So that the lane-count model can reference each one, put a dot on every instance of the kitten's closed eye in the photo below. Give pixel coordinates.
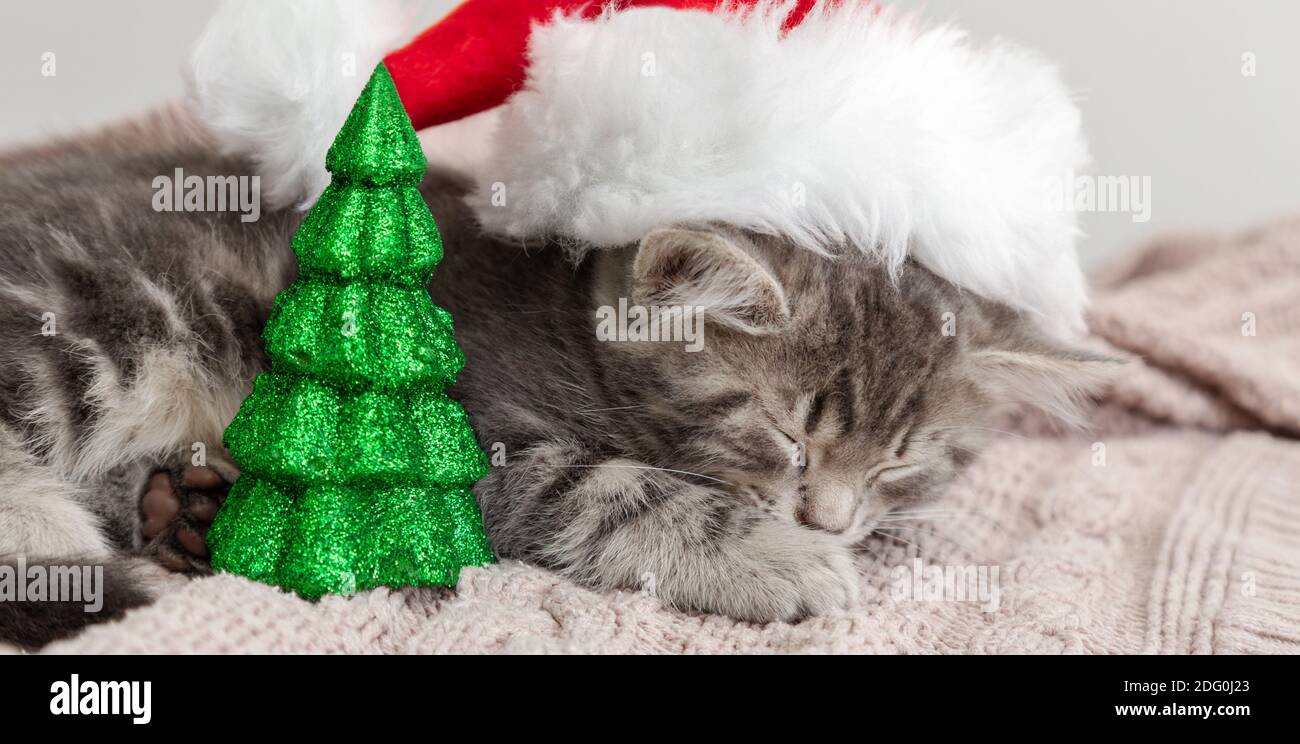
(904, 443)
(797, 449)
(905, 455)
(895, 473)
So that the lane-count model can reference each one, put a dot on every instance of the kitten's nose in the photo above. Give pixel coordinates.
(801, 516)
(827, 508)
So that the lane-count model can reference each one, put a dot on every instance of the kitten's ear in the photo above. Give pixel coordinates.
(707, 268)
(1057, 380)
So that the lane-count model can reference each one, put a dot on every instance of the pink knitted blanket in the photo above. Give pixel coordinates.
(1173, 526)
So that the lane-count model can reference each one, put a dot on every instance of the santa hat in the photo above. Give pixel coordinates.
(831, 123)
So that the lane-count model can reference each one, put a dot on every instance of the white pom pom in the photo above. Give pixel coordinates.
(275, 79)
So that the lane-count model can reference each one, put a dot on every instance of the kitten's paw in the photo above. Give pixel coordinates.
(176, 508)
(789, 573)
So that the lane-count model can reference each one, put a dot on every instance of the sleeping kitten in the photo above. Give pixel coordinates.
(736, 478)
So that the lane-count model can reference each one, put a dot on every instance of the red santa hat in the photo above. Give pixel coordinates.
(829, 122)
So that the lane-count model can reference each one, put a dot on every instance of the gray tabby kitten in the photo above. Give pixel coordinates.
(737, 479)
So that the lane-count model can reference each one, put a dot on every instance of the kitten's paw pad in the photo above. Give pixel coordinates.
(177, 506)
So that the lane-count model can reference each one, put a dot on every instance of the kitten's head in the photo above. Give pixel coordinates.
(823, 388)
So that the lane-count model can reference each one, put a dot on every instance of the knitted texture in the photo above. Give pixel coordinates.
(1183, 538)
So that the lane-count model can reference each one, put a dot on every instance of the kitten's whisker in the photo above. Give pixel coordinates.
(951, 515)
(969, 450)
(572, 386)
(614, 408)
(918, 514)
(861, 545)
(914, 517)
(651, 467)
(964, 547)
(902, 539)
(951, 512)
(979, 428)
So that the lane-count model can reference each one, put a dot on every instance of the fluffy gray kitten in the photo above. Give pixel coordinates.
(736, 479)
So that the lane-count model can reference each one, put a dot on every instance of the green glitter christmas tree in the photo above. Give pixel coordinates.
(356, 465)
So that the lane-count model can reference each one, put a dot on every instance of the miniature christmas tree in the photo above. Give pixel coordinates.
(356, 466)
